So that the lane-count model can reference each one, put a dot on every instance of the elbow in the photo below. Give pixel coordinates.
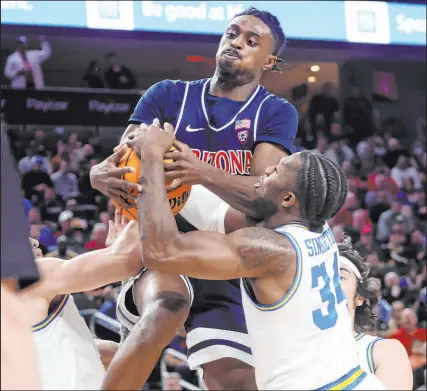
(160, 255)
(153, 258)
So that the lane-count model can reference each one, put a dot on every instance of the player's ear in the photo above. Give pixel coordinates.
(269, 62)
(288, 199)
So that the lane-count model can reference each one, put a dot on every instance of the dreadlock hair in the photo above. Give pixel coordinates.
(276, 30)
(368, 288)
(321, 188)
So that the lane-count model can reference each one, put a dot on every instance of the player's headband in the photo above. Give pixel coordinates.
(350, 265)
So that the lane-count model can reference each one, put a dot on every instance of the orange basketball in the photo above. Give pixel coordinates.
(177, 197)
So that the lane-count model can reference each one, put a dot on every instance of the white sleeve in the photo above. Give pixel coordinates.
(205, 210)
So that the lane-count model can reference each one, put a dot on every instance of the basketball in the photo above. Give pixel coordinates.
(177, 197)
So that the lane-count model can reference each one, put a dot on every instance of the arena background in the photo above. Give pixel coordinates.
(356, 73)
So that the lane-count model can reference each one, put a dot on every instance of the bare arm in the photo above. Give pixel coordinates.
(393, 365)
(237, 191)
(250, 252)
(45, 51)
(91, 270)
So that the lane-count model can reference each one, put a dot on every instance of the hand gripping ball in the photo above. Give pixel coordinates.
(177, 197)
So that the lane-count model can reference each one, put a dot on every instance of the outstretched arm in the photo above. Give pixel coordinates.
(249, 252)
(91, 270)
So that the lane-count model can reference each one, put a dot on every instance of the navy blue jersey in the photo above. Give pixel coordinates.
(220, 131)
(224, 133)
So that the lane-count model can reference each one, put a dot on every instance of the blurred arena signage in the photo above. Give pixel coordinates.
(339, 21)
(52, 107)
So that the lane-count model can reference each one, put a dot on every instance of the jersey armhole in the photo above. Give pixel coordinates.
(370, 355)
(292, 290)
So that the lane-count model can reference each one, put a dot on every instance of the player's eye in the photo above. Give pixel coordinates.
(230, 35)
(252, 43)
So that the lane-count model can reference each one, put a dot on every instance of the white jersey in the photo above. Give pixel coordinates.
(67, 354)
(365, 346)
(305, 341)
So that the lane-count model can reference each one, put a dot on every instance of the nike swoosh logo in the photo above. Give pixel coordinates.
(190, 129)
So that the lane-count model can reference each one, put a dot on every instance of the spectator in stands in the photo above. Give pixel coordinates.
(409, 334)
(345, 215)
(93, 76)
(34, 216)
(98, 238)
(36, 180)
(392, 290)
(337, 151)
(357, 116)
(403, 171)
(24, 165)
(64, 221)
(394, 150)
(51, 205)
(387, 219)
(324, 103)
(23, 67)
(118, 76)
(73, 141)
(61, 154)
(377, 205)
(39, 144)
(44, 235)
(65, 182)
(306, 133)
(366, 245)
(62, 250)
(361, 220)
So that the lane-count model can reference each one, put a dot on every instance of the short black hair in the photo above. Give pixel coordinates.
(366, 315)
(274, 25)
(321, 188)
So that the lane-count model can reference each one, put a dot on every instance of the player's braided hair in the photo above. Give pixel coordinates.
(367, 287)
(321, 187)
(276, 29)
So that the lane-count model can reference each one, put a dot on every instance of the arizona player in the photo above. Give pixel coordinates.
(295, 309)
(236, 128)
(386, 358)
(67, 353)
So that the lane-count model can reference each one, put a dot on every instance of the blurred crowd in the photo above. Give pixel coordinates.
(384, 212)
(24, 70)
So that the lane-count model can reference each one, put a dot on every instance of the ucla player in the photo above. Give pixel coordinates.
(235, 128)
(67, 353)
(295, 309)
(386, 358)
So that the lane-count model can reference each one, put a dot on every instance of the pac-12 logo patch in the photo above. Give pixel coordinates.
(243, 136)
(243, 126)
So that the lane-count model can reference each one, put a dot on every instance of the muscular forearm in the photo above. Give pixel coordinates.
(237, 191)
(157, 223)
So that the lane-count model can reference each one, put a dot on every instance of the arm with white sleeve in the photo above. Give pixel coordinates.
(208, 212)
